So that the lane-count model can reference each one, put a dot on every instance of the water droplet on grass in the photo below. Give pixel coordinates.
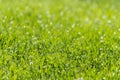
(119, 29)
(82, 37)
(27, 33)
(39, 21)
(104, 17)
(101, 41)
(61, 13)
(48, 32)
(31, 62)
(11, 22)
(80, 78)
(67, 31)
(79, 33)
(109, 21)
(87, 19)
(102, 37)
(115, 33)
(51, 23)
(101, 49)
(73, 25)
(119, 37)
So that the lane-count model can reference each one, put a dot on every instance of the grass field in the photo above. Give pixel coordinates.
(59, 39)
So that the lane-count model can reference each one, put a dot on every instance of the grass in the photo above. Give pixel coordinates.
(59, 40)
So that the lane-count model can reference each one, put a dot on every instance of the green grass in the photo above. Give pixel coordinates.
(59, 39)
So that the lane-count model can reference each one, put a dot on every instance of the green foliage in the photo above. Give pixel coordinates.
(59, 40)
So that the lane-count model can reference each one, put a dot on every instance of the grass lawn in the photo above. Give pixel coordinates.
(59, 39)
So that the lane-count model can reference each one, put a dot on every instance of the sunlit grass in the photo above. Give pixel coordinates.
(59, 40)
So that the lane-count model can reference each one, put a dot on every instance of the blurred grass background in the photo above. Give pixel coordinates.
(64, 40)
